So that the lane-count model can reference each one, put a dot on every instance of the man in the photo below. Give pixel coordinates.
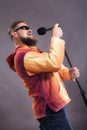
(42, 73)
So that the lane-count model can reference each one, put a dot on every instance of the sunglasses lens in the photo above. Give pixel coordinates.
(25, 28)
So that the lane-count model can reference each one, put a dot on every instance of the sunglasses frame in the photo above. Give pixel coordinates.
(21, 27)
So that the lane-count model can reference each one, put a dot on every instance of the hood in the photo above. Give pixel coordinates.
(10, 61)
(10, 58)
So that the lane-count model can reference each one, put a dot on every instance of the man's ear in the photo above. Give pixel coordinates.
(14, 34)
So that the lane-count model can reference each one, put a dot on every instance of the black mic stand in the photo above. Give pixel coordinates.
(80, 88)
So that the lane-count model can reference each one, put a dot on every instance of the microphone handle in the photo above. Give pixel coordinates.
(48, 29)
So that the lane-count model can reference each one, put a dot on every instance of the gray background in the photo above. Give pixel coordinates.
(15, 106)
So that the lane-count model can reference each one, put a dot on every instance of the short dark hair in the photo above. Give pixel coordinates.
(13, 26)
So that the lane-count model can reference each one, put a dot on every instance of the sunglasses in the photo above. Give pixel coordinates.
(23, 28)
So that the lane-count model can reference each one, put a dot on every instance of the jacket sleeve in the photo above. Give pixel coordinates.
(64, 73)
(35, 62)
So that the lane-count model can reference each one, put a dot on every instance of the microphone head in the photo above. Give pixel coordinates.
(41, 31)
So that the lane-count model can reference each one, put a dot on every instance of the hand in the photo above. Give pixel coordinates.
(74, 73)
(57, 31)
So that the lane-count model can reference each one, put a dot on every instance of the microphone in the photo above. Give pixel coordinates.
(43, 30)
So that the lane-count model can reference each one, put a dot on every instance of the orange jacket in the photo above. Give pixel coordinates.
(42, 73)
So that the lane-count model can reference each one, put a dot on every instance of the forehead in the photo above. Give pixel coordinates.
(21, 24)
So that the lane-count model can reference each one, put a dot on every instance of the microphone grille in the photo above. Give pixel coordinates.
(41, 31)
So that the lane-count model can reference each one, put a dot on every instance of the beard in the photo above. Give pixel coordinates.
(29, 41)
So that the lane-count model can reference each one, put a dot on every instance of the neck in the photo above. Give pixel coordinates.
(18, 43)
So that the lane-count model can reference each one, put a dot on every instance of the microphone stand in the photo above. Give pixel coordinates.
(80, 88)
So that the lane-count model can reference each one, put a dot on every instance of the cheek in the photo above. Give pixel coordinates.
(23, 34)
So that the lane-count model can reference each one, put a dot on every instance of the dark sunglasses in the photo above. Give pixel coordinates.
(23, 28)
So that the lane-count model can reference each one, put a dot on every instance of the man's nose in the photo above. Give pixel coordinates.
(30, 30)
